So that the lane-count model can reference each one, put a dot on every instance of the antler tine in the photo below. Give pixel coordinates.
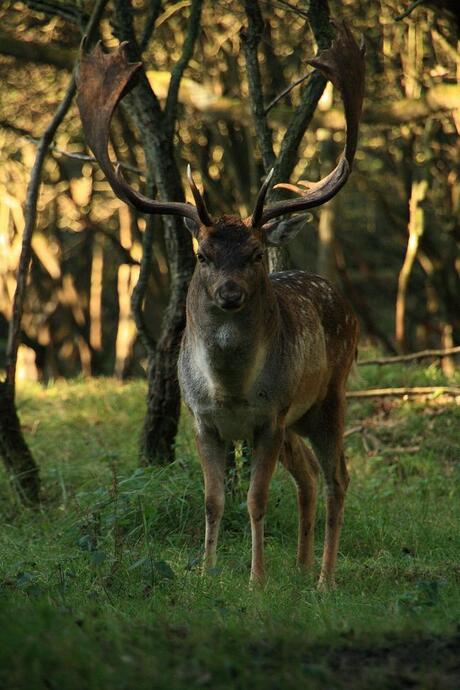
(343, 65)
(103, 79)
(259, 207)
(199, 201)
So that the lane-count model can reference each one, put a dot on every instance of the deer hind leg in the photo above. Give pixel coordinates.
(327, 440)
(303, 466)
(213, 454)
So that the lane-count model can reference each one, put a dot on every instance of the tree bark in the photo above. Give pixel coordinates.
(283, 165)
(163, 398)
(16, 454)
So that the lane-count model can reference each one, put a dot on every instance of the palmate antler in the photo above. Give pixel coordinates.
(103, 80)
(343, 65)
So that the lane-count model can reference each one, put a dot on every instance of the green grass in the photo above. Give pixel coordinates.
(101, 587)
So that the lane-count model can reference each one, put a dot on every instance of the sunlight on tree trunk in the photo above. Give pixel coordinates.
(415, 229)
(326, 262)
(95, 300)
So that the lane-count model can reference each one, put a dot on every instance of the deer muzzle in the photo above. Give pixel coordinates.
(230, 296)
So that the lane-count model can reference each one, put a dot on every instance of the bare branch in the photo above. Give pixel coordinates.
(180, 66)
(140, 289)
(409, 10)
(292, 8)
(417, 391)
(318, 16)
(23, 134)
(285, 92)
(414, 356)
(69, 12)
(31, 213)
(152, 16)
(33, 51)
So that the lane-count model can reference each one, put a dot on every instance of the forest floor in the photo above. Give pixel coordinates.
(101, 587)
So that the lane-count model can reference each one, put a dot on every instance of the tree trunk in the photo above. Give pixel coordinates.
(416, 227)
(157, 127)
(18, 459)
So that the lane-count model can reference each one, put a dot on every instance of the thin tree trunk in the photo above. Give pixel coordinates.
(326, 258)
(416, 227)
(13, 448)
(318, 14)
(157, 127)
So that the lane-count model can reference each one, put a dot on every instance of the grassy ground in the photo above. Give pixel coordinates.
(101, 588)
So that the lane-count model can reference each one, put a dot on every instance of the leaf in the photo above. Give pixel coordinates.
(164, 570)
(97, 558)
(24, 579)
(85, 542)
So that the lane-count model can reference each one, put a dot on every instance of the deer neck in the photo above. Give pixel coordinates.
(232, 347)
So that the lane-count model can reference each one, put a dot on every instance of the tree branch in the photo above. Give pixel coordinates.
(72, 13)
(140, 289)
(180, 66)
(401, 392)
(152, 16)
(251, 39)
(285, 92)
(24, 134)
(292, 8)
(413, 356)
(409, 10)
(32, 51)
(318, 16)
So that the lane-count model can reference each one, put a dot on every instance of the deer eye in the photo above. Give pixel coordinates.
(257, 256)
(202, 258)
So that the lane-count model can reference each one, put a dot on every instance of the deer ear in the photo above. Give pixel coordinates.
(191, 226)
(281, 232)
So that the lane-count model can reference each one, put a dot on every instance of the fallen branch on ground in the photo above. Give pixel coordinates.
(400, 392)
(423, 354)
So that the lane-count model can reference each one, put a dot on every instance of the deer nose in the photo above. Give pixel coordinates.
(230, 295)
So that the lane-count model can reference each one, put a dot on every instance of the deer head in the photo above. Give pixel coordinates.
(229, 241)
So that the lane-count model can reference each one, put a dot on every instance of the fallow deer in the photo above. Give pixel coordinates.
(264, 358)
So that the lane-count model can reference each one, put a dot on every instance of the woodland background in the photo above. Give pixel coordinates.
(100, 558)
(390, 239)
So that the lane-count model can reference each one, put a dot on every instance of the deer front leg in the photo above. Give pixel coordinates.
(213, 460)
(266, 451)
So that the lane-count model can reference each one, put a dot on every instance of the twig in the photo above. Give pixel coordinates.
(400, 392)
(293, 8)
(353, 430)
(31, 213)
(24, 134)
(423, 354)
(285, 92)
(400, 449)
(409, 10)
(149, 26)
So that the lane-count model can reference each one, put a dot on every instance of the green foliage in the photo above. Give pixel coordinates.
(102, 586)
